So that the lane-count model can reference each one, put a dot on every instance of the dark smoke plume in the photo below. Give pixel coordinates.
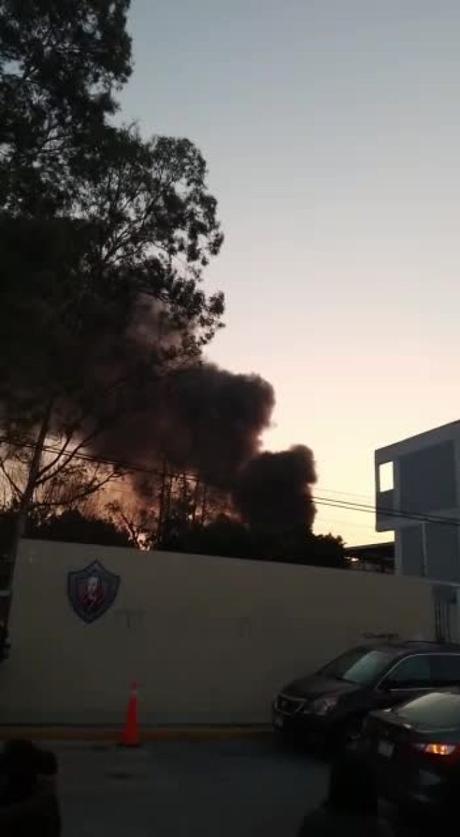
(215, 421)
(273, 491)
(208, 421)
(202, 419)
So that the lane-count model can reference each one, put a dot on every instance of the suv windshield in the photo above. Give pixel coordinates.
(360, 665)
(438, 710)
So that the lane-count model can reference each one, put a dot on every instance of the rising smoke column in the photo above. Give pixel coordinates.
(203, 419)
(208, 421)
(216, 418)
(199, 418)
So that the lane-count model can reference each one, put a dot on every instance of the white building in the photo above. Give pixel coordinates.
(417, 496)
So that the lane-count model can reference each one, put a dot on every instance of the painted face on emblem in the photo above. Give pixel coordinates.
(93, 585)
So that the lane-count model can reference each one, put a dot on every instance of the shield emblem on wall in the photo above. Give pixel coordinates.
(92, 591)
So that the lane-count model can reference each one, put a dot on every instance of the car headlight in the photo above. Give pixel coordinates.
(324, 705)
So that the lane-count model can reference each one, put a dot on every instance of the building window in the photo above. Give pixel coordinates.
(386, 476)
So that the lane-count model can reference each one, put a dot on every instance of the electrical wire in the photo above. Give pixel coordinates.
(346, 505)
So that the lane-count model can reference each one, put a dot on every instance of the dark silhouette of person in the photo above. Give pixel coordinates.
(28, 799)
(351, 807)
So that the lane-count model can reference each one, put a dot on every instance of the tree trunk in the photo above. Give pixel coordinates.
(162, 500)
(28, 493)
(204, 509)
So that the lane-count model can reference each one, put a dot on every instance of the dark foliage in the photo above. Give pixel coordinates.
(74, 527)
(227, 537)
(60, 62)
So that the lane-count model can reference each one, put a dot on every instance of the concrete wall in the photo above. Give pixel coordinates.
(209, 639)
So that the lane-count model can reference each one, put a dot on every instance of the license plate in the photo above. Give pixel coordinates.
(278, 722)
(385, 748)
(427, 779)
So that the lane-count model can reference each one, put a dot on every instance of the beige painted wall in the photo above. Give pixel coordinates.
(209, 639)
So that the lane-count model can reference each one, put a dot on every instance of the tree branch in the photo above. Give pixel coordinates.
(12, 483)
(48, 467)
(87, 491)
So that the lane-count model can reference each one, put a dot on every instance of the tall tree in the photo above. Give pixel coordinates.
(103, 239)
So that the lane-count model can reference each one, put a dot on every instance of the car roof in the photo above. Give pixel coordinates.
(403, 648)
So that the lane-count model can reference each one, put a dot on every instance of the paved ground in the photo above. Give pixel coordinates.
(180, 789)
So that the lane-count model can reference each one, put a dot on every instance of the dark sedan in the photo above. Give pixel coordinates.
(334, 701)
(415, 752)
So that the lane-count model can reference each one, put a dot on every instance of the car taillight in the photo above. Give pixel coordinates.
(435, 749)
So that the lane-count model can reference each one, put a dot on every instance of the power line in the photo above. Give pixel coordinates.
(87, 457)
(386, 512)
(346, 505)
(344, 493)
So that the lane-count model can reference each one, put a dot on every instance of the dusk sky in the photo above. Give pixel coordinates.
(331, 129)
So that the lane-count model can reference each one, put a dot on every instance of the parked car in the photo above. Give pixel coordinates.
(334, 701)
(414, 749)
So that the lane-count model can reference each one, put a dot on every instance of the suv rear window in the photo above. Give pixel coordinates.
(445, 669)
(437, 710)
(413, 672)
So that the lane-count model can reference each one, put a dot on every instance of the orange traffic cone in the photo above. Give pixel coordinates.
(130, 737)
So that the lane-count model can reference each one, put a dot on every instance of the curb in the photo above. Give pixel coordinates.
(114, 734)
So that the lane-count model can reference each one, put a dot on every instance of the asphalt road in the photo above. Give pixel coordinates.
(180, 789)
